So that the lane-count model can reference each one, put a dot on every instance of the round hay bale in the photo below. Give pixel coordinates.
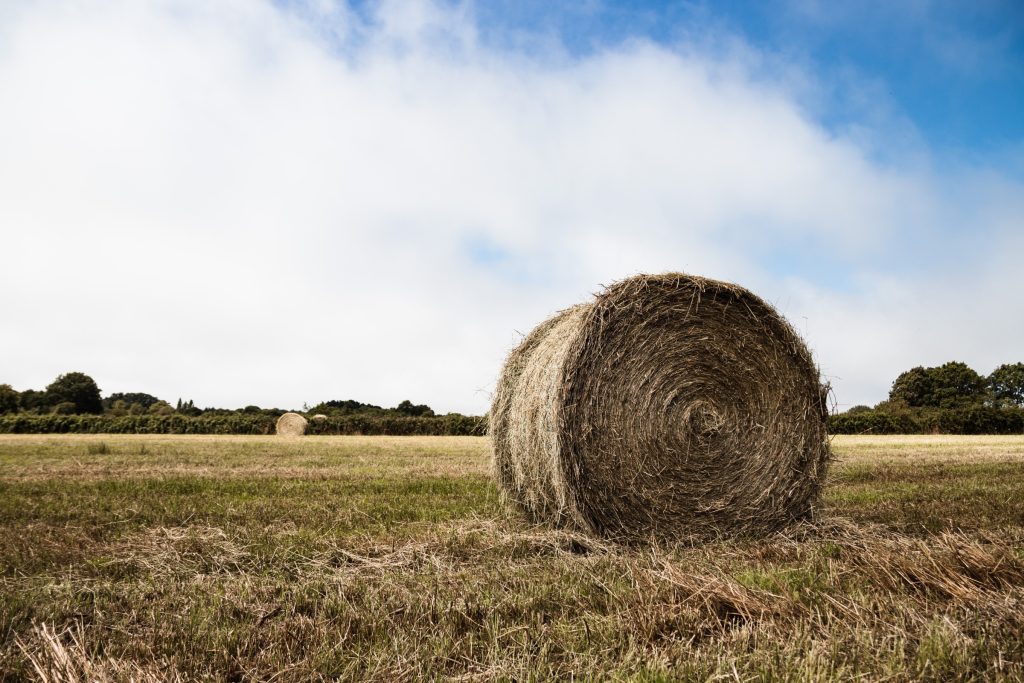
(318, 418)
(291, 424)
(671, 406)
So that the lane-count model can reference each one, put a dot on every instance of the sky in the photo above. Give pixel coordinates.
(284, 202)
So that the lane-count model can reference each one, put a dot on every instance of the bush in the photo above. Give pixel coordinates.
(65, 408)
(160, 408)
(238, 423)
(871, 422)
(970, 420)
(452, 424)
(131, 424)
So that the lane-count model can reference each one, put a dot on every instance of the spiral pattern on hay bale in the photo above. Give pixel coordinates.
(291, 424)
(671, 406)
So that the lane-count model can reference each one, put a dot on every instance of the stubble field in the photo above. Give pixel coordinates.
(377, 558)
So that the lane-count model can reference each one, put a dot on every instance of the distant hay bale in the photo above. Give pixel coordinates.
(671, 406)
(318, 418)
(291, 424)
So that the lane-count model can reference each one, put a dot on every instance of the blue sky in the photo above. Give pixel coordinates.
(317, 200)
(954, 69)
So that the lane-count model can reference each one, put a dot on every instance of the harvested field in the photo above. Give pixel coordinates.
(257, 558)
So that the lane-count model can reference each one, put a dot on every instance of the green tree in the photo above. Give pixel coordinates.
(10, 399)
(913, 388)
(1007, 384)
(956, 385)
(408, 408)
(35, 401)
(188, 408)
(77, 388)
(143, 399)
(346, 407)
(951, 385)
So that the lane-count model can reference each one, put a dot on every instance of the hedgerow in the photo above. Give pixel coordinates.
(975, 420)
(444, 425)
(971, 420)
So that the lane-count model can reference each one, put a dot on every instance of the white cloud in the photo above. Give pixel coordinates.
(239, 203)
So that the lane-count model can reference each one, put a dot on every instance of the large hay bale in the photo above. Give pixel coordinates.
(291, 424)
(671, 406)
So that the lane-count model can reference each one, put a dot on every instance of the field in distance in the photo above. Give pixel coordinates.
(391, 558)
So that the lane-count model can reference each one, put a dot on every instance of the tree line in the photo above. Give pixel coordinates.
(951, 398)
(73, 403)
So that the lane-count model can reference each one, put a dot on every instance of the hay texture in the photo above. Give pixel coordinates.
(291, 424)
(671, 406)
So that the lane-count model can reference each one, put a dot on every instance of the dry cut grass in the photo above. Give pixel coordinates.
(390, 559)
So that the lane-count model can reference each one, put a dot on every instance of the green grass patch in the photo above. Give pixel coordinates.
(376, 558)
